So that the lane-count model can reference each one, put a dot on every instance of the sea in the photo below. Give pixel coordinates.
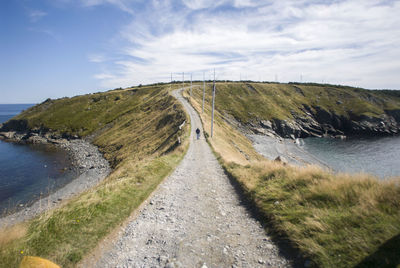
(29, 172)
(379, 156)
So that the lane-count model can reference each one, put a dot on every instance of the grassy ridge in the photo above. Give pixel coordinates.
(123, 122)
(136, 129)
(336, 220)
(247, 101)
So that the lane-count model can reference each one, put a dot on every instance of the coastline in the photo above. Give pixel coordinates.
(87, 160)
(273, 147)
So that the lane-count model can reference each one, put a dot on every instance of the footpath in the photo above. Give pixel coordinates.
(194, 219)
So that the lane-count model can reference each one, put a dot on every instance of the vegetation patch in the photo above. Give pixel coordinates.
(247, 101)
(335, 220)
(125, 124)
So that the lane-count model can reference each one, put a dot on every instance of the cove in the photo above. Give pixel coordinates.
(29, 172)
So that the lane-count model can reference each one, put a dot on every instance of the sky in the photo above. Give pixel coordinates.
(57, 48)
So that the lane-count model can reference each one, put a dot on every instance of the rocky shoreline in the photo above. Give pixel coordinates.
(317, 122)
(286, 150)
(86, 159)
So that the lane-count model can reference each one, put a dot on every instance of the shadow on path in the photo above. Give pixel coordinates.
(286, 249)
(387, 255)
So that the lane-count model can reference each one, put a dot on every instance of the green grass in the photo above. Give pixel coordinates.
(65, 235)
(250, 101)
(137, 133)
(335, 220)
(122, 122)
(82, 115)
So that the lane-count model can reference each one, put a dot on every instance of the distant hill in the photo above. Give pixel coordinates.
(302, 110)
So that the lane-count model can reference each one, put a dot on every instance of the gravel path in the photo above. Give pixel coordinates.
(194, 219)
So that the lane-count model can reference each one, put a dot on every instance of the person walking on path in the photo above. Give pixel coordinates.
(198, 133)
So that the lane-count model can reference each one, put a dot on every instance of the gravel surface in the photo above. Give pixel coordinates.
(91, 167)
(194, 219)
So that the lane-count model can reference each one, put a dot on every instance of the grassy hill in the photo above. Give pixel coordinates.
(313, 108)
(138, 121)
(333, 220)
(137, 131)
(247, 101)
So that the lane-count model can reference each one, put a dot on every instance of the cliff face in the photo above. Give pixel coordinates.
(303, 110)
(319, 122)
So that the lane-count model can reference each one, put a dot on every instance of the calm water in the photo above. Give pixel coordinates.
(29, 171)
(378, 156)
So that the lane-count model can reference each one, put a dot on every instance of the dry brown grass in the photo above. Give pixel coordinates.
(336, 220)
(11, 233)
(227, 141)
(140, 143)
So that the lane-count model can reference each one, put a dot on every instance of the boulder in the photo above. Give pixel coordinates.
(266, 124)
(8, 135)
(281, 159)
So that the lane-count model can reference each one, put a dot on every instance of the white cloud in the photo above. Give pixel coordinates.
(124, 5)
(200, 4)
(97, 58)
(351, 42)
(36, 15)
(102, 76)
(245, 3)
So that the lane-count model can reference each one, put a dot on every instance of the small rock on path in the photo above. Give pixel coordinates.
(194, 219)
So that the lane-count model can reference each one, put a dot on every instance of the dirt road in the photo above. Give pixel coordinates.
(194, 219)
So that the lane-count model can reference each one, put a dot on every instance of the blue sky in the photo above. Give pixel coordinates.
(57, 48)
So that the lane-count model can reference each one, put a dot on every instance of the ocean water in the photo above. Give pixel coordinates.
(7, 111)
(28, 172)
(378, 156)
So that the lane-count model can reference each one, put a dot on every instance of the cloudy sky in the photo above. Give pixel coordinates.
(56, 48)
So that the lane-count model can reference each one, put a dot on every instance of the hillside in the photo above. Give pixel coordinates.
(302, 110)
(137, 120)
(333, 220)
(137, 131)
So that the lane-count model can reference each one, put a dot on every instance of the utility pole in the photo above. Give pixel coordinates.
(183, 80)
(190, 86)
(213, 104)
(170, 85)
(204, 90)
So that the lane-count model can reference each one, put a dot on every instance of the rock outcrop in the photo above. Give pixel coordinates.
(19, 131)
(317, 122)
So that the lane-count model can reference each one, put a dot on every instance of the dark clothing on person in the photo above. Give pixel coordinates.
(198, 133)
